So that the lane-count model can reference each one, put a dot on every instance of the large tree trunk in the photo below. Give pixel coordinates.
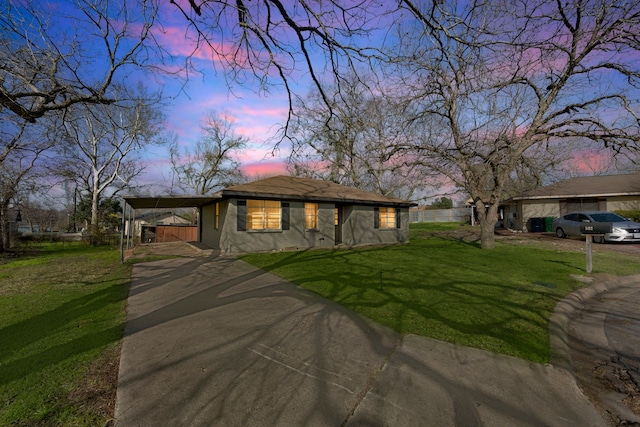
(4, 227)
(487, 217)
(93, 227)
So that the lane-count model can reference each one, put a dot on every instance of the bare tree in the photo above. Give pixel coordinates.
(53, 58)
(499, 79)
(272, 41)
(362, 139)
(102, 145)
(22, 145)
(209, 165)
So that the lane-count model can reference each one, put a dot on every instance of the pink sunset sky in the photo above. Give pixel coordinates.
(257, 117)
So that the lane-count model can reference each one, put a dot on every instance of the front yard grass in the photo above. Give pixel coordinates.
(442, 285)
(62, 314)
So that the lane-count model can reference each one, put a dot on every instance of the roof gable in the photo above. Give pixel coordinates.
(587, 186)
(156, 215)
(295, 188)
(168, 202)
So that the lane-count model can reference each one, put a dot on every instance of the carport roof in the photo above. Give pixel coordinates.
(169, 202)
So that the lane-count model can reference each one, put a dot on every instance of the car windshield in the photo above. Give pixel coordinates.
(607, 217)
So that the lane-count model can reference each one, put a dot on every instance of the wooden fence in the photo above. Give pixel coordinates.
(169, 233)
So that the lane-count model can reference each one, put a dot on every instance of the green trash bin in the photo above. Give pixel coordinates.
(548, 220)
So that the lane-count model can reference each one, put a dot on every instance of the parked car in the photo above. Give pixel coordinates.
(624, 230)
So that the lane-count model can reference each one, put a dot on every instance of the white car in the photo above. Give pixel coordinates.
(624, 230)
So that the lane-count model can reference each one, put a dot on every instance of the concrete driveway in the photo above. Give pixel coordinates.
(215, 341)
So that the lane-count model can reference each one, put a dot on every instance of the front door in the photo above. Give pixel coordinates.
(337, 221)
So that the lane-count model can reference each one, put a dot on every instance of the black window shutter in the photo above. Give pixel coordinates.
(242, 215)
(285, 215)
(398, 217)
(376, 217)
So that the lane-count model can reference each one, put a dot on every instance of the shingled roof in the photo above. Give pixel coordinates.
(587, 186)
(294, 188)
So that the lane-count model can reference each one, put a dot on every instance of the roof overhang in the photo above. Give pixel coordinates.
(575, 196)
(169, 202)
(174, 202)
(312, 198)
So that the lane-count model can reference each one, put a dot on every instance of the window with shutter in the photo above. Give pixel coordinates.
(263, 215)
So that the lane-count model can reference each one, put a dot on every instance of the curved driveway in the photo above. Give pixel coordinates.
(215, 341)
(605, 350)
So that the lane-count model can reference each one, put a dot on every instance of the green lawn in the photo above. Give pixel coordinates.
(62, 307)
(442, 285)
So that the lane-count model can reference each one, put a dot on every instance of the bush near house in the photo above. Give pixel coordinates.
(631, 214)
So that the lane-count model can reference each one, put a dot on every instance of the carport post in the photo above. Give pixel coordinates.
(124, 212)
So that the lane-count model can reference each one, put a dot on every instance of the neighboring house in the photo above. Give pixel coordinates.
(285, 212)
(145, 225)
(590, 193)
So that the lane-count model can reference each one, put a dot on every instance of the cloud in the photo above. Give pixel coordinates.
(256, 118)
(265, 168)
(589, 162)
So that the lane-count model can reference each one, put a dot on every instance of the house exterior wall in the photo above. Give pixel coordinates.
(623, 203)
(537, 209)
(527, 209)
(233, 241)
(357, 228)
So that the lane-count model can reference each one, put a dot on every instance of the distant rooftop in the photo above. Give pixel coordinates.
(587, 186)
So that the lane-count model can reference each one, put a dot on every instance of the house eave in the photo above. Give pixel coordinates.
(574, 196)
(311, 198)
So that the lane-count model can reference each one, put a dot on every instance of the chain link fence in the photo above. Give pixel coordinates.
(440, 215)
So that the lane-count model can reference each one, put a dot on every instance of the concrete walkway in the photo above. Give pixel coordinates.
(215, 341)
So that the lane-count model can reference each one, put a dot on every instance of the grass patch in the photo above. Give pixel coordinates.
(62, 308)
(442, 285)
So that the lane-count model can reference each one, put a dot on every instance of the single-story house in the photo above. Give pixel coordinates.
(588, 193)
(284, 212)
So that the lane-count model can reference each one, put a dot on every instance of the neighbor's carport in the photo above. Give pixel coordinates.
(132, 202)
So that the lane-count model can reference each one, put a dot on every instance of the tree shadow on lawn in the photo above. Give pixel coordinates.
(78, 311)
(465, 237)
(489, 315)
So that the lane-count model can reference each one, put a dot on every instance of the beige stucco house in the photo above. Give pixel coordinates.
(589, 193)
(283, 212)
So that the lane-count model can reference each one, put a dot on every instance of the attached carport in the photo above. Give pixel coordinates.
(133, 202)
